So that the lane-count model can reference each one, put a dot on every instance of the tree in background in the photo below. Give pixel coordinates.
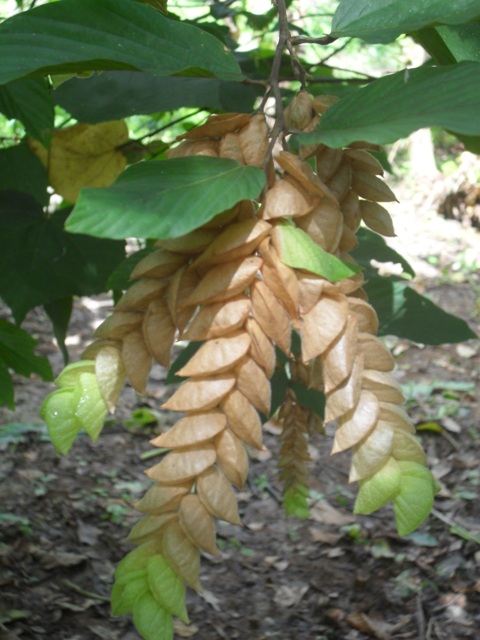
(251, 175)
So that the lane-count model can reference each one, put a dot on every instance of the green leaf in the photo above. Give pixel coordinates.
(396, 105)
(40, 262)
(136, 559)
(414, 501)
(21, 170)
(405, 313)
(166, 587)
(373, 247)
(126, 592)
(30, 102)
(60, 311)
(88, 35)
(120, 278)
(16, 352)
(295, 501)
(7, 391)
(463, 41)
(164, 199)
(151, 621)
(113, 95)
(279, 386)
(378, 489)
(90, 408)
(67, 379)
(309, 398)
(299, 251)
(384, 20)
(58, 411)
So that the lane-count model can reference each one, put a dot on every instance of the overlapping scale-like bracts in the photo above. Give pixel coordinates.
(225, 286)
(338, 326)
(204, 287)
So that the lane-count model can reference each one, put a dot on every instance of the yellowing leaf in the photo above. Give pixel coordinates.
(253, 382)
(140, 295)
(149, 525)
(161, 498)
(215, 320)
(118, 324)
(383, 386)
(243, 418)
(225, 281)
(158, 264)
(199, 394)
(345, 397)
(84, 155)
(193, 429)
(136, 359)
(372, 453)
(339, 357)
(370, 187)
(232, 457)
(377, 218)
(357, 424)
(218, 355)
(301, 171)
(216, 493)
(322, 325)
(197, 523)
(110, 374)
(181, 554)
(262, 348)
(254, 141)
(183, 464)
(284, 199)
(271, 315)
(159, 331)
(238, 240)
(376, 354)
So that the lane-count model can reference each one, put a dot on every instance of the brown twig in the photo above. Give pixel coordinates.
(323, 40)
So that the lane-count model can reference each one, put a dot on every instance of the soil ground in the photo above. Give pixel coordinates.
(64, 521)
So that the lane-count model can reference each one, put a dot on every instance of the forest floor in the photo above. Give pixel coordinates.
(64, 521)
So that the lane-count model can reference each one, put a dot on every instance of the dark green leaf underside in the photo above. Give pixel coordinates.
(87, 35)
(384, 20)
(165, 199)
(394, 106)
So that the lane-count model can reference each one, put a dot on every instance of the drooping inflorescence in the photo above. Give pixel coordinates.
(227, 285)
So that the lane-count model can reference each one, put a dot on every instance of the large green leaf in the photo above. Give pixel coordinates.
(113, 95)
(405, 313)
(394, 106)
(463, 41)
(373, 247)
(30, 102)
(384, 20)
(21, 170)
(16, 352)
(87, 35)
(40, 262)
(164, 199)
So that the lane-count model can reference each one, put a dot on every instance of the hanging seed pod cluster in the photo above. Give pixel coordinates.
(228, 286)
